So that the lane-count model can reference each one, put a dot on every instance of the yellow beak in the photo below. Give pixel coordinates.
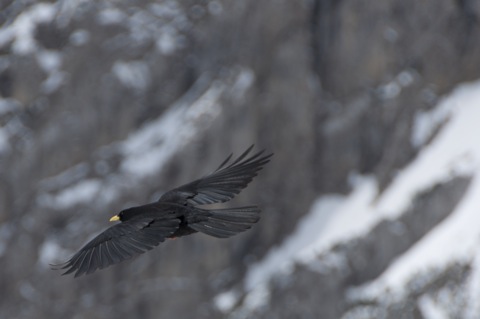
(114, 218)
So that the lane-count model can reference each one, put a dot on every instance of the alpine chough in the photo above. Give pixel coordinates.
(177, 213)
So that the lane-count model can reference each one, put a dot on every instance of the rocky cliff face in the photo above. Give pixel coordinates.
(105, 105)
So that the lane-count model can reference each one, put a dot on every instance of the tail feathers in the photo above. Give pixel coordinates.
(223, 223)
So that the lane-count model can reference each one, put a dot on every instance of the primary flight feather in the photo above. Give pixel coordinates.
(177, 213)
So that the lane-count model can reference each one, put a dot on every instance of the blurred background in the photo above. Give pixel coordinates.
(370, 206)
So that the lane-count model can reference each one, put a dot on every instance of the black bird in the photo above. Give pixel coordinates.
(177, 213)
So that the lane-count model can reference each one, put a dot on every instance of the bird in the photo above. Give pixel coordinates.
(178, 212)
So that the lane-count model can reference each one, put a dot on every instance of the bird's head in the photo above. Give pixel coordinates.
(124, 215)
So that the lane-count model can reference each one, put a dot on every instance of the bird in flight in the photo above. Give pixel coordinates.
(177, 213)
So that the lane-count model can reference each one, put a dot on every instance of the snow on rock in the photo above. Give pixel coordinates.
(50, 62)
(165, 32)
(430, 309)
(111, 16)
(80, 192)
(132, 74)
(66, 178)
(8, 105)
(426, 123)
(151, 147)
(80, 37)
(455, 151)
(21, 31)
(226, 301)
(49, 252)
(166, 41)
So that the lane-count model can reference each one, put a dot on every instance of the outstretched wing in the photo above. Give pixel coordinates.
(118, 243)
(221, 185)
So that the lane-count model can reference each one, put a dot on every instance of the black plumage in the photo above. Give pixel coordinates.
(177, 213)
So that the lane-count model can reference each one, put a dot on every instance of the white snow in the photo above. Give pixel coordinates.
(80, 192)
(65, 178)
(80, 37)
(49, 252)
(166, 41)
(455, 151)
(226, 301)
(430, 309)
(50, 62)
(244, 82)
(426, 123)
(132, 74)
(110, 16)
(21, 31)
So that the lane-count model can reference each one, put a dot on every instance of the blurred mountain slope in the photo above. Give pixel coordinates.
(105, 105)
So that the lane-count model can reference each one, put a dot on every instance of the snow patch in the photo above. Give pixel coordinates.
(166, 42)
(257, 298)
(8, 105)
(111, 16)
(426, 123)
(244, 81)
(81, 192)
(80, 37)
(430, 309)
(49, 252)
(226, 301)
(133, 74)
(21, 31)
(65, 178)
(50, 62)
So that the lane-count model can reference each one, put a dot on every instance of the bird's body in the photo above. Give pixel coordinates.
(177, 213)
